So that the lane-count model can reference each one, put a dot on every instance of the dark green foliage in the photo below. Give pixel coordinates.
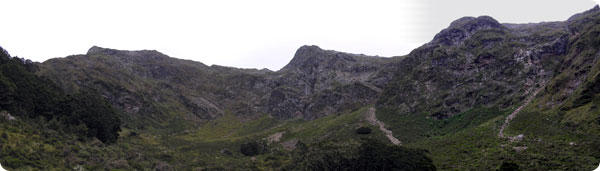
(590, 90)
(23, 93)
(509, 166)
(595, 151)
(363, 130)
(93, 111)
(7, 90)
(133, 134)
(370, 155)
(416, 126)
(3, 55)
(226, 152)
(375, 155)
(30, 95)
(251, 148)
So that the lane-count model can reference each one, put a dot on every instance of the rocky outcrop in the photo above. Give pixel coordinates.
(314, 69)
(321, 82)
(464, 28)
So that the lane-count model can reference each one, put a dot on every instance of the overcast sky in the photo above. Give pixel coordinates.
(249, 34)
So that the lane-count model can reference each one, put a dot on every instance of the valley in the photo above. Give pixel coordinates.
(481, 95)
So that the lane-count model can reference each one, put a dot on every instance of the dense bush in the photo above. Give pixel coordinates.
(25, 94)
(251, 148)
(374, 155)
(133, 134)
(363, 130)
(97, 115)
(589, 92)
(509, 166)
(370, 155)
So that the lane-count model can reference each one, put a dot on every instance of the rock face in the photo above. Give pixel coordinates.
(319, 69)
(476, 61)
(320, 82)
(464, 28)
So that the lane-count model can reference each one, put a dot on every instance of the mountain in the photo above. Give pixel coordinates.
(476, 61)
(484, 79)
(150, 85)
(482, 95)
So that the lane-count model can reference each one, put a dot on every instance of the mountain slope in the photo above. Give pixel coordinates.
(558, 130)
(38, 119)
(150, 85)
(476, 61)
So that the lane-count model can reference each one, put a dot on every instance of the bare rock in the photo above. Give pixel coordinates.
(226, 152)
(275, 137)
(7, 116)
(118, 164)
(290, 145)
(520, 149)
(517, 138)
(162, 166)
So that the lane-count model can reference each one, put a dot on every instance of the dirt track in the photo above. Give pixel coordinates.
(514, 113)
(373, 120)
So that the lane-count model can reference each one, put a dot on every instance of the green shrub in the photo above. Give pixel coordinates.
(509, 166)
(98, 116)
(375, 155)
(363, 130)
(370, 155)
(24, 94)
(133, 134)
(250, 148)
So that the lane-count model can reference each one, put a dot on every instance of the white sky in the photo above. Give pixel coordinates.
(249, 34)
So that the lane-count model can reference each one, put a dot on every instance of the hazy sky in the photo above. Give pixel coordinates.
(249, 34)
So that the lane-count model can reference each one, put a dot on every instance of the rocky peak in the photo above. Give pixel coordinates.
(313, 58)
(463, 28)
(577, 22)
(306, 57)
(95, 50)
(590, 11)
(472, 24)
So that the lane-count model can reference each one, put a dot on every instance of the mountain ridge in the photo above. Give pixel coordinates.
(313, 70)
(152, 66)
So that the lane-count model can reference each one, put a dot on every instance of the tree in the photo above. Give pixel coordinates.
(99, 117)
(374, 155)
(369, 155)
(363, 130)
(509, 166)
(25, 94)
(252, 148)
